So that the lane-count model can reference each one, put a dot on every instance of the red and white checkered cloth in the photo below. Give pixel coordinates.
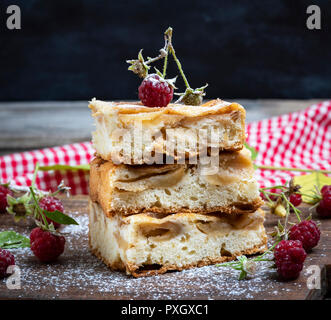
(300, 139)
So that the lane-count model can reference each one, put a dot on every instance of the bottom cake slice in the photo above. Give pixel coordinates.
(149, 243)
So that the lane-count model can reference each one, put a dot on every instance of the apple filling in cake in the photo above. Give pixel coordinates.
(153, 243)
(131, 133)
(125, 189)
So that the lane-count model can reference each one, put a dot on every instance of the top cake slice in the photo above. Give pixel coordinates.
(131, 133)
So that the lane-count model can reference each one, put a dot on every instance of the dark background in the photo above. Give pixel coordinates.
(76, 49)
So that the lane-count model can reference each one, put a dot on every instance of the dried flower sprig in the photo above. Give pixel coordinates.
(141, 67)
(281, 200)
(248, 267)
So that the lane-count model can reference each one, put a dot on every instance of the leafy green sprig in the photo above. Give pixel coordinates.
(280, 205)
(28, 205)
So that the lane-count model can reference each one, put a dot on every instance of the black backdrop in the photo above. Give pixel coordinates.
(76, 49)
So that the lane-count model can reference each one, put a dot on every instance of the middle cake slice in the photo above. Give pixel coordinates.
(174, 188)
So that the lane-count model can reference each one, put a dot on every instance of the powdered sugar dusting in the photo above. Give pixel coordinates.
(79, 274)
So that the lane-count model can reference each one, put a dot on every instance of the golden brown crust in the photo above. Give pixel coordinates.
(101, 192)
(240, 208)
(216, 106)
(137, 271)
(237, 221)
(124, 114)
(236, 146)
(100, 175)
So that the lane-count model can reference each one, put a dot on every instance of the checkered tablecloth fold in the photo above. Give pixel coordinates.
(18, 167)
(300, 139)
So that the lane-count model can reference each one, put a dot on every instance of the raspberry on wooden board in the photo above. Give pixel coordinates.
(307, 232)
(289, 258)
(46, 246)
(295, 199)
(324, 207)
(326, 190)
(6, 260)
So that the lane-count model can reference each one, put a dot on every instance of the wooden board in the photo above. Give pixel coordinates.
(80, 275)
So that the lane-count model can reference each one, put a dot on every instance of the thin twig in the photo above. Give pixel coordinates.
(290, 169)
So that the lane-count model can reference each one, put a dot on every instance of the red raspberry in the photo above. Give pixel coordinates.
(45, 245)
(36, 233)
(51, 204)
(289, 258)
(307, 232)
(6, 260)
(324, 207)
(326, 190)
(295, 199)
(155, 91)
(4, 191)
(262, 196)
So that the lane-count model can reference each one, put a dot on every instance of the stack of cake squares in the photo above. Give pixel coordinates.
(172, 188)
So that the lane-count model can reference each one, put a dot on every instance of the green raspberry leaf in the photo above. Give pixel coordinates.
(13, 240)
(308, 183)
(59, 217)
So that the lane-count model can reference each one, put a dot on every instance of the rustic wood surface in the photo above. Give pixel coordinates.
(80, 275)
(33, 125)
